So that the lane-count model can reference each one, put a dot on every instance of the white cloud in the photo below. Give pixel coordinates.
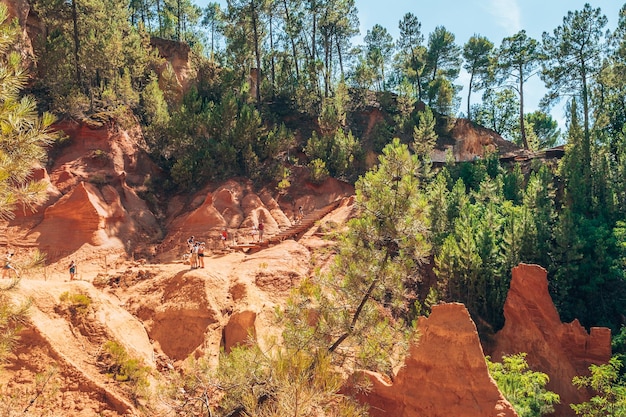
(506, 14)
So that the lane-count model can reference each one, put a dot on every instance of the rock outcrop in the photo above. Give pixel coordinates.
(445, 373)
(468, 141)
(176, 57)
(561, 350)
(237, 207)
(66, 345)
(92, 201)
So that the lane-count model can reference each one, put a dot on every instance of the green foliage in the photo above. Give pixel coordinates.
(25, 134)
(586, 270)
(442, 66)
(378, 52)
(77, 303)
(318, 170)
(284, 183)
(124, 368)
(93, 55)
(482, 232)
(377, 261)
(275, 383)
(477, 53)
(513, 183)
(382, 134)
(545, 128)
(13, 317)
(337, 150)
(618, 344)
(424, 135)
(574, 53)
(498, 111)
(518, 57)
(610, 398)
(522, 387)
(206, 140)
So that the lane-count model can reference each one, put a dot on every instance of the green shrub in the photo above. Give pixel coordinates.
(76, 302)
(123, 368)
(523, 387)
(319, 172)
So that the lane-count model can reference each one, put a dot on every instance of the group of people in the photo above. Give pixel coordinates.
(257, 232)
(196, 252)
(196, 249)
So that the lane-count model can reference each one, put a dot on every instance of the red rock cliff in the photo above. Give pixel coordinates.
(561, 350)
(445, 373)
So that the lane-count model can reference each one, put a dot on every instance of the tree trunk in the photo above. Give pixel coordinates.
(257, 52)
(522, 127)
(179, 20)
(326, 64)
(273, 63)
(340, 57)
(292, 40)
(76, 44)
(158, 6)
(469, 95)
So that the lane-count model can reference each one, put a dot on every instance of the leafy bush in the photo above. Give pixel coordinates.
(77, 303)
(610, 398)
(319, 172)
(523, 387)
(124, 368)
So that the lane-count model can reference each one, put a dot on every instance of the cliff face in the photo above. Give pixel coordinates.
(561, 350)
(21, 10)
(445, 373)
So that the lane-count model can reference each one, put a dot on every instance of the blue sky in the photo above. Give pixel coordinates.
(495, 19)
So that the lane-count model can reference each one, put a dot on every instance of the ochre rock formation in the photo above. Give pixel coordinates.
(100, 152)
(21, 10)
(445, 373)
(92, 195)
(55, 338)
(561, 350)
(176, 54)
(468, 141)
(195, 312)
(85, 215)
(236, 206)
(239, 329)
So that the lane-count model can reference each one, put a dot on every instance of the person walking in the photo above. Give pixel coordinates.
(72, 269)
(8, 268)
(261, 229)
(224, 236)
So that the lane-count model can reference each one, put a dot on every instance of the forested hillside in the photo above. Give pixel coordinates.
(264, 89)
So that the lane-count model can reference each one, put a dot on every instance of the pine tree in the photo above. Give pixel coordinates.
(344, 319)
(24, 135)
(24, 132)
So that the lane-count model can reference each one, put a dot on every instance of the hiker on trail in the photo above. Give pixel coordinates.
(194, 255)
(8, 267)
(201, 248)
(300, 213)
(261, 229)
(253, 233)
(224, 237)
(190, 243)
(72, 269)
